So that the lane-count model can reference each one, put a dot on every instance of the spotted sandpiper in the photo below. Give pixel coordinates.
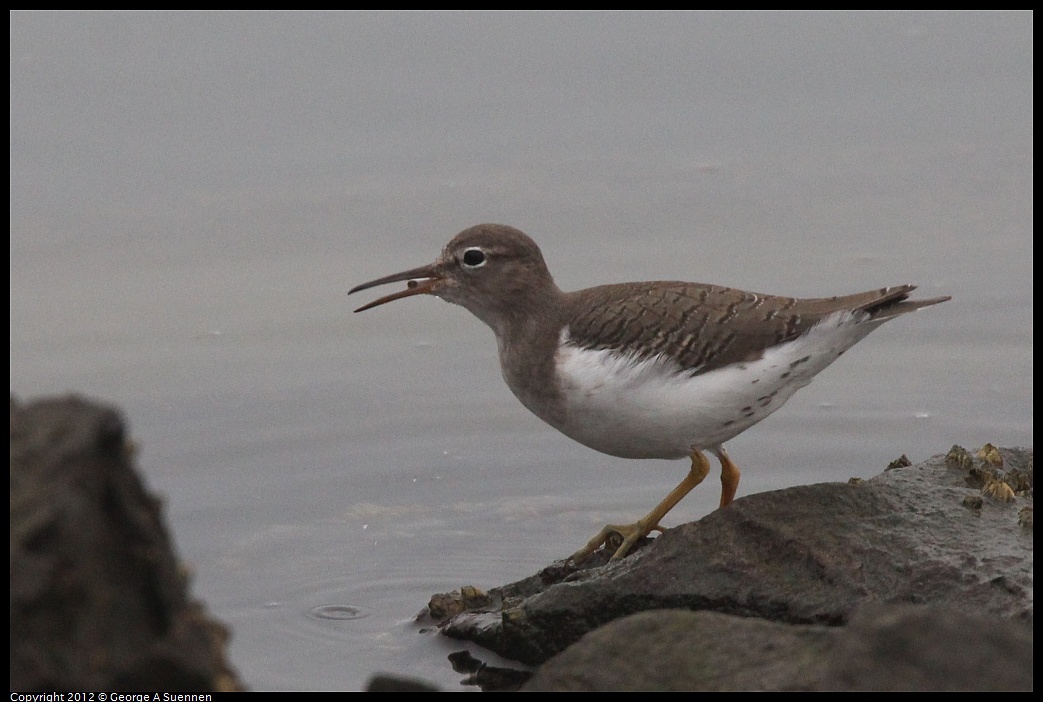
(644, 370)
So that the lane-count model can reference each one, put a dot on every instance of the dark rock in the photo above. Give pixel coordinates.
(399, 683)
(678, 650)
(489, 678)
(98, 599)
(893, 648)
(884, 647)
(806, 555)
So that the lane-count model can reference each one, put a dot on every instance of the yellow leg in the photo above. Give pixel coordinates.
(644, 526)
(729, 476)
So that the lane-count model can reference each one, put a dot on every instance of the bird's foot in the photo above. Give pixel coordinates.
(621, 537)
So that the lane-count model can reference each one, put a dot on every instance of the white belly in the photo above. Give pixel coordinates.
(652, 409)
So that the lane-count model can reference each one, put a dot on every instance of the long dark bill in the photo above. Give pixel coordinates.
(421, 281)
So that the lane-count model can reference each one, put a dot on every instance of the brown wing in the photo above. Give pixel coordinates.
(703, 327)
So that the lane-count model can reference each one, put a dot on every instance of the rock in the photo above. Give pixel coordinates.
(808, 556)
(906, 647)
(678, 650)
(398, 683)
(884, 647)
(98, 599)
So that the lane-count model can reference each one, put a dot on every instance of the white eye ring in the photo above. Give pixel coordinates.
(474, 257)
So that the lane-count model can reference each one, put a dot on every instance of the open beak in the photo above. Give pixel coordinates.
(421, 281)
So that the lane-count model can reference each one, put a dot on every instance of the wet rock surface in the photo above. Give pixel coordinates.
(952, 534)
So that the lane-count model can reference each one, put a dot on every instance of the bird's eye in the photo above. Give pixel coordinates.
(474, 257)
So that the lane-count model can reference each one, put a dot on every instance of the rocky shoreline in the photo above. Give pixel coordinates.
(780, 587)
(917, 579)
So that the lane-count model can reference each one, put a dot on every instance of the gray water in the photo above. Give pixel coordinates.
(192, 195)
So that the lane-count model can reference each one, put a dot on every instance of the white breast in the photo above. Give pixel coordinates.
(651, 408)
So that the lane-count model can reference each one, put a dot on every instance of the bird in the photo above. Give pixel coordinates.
(660, 369)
